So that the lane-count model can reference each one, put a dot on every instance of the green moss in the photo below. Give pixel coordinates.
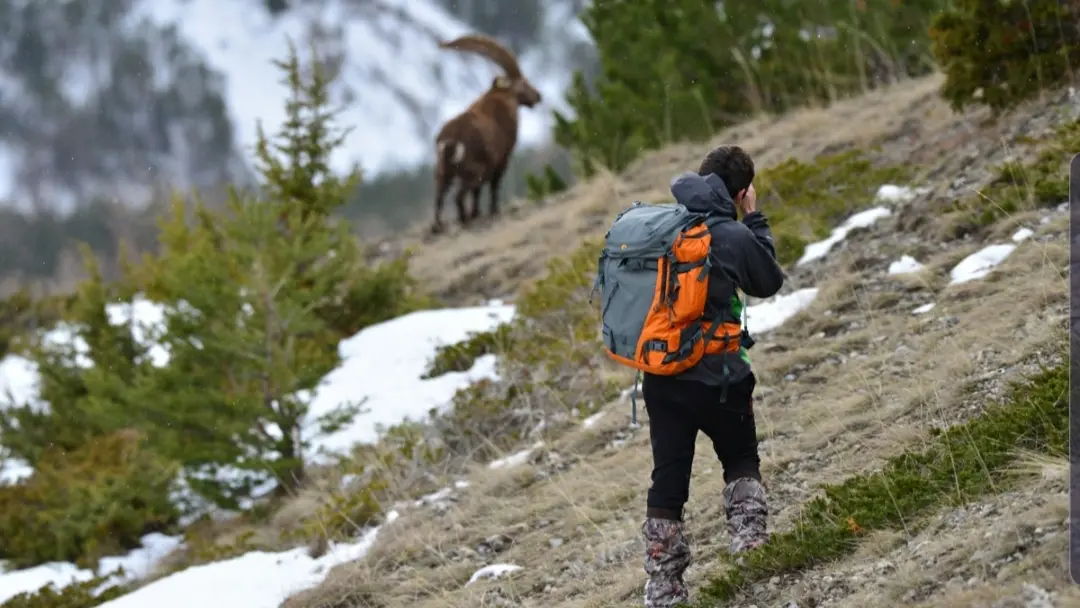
(79, 506)
(962, 463)
(1042, 181)
(76, 595)
(805, 201)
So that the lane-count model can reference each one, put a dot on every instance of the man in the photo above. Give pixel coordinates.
(716, 395)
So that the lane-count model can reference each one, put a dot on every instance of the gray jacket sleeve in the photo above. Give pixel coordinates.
(753, 265)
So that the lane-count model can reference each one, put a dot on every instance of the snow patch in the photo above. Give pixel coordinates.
(904, 265)
(18, 380)
(592, 420)
(32, 579)
(979, 264)
(13, 471)
(434, 497)
(1022, 235)
(924, 308)
(515, 459)
(254, 580)
(862, 219)
(136, 564)
(890, 193)
(771, 314)
(492, 572)
(383, 363)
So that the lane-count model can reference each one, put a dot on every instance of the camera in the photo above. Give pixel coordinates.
(745, 340)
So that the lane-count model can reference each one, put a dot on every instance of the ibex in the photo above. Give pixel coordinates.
(474, 147)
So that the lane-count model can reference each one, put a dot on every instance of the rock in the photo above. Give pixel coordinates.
(494, 544)
(1031, 597)
(497, 598)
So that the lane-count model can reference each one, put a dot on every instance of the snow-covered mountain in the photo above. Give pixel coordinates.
(108, 97)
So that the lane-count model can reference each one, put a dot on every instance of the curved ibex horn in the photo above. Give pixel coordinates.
(487, 47)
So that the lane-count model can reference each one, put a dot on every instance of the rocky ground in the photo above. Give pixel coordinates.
(858, 377)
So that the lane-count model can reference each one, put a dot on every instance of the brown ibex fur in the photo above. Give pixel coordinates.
(474, 147)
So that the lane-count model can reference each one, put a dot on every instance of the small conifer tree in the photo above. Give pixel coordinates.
(258, 292)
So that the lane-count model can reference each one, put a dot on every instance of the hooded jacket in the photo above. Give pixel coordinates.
(743, 258)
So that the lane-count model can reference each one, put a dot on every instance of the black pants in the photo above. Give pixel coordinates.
(678, 409)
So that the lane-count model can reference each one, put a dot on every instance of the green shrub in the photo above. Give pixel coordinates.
(75, 595)
(345, 514)
(999, 53)
(80, 506)
(203, 549)
(375, 293)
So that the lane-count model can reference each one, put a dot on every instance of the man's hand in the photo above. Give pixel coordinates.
(748, 202)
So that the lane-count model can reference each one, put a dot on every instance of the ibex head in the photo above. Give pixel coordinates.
(513, 81)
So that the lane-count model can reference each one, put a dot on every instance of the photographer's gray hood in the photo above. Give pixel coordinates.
(703, 194)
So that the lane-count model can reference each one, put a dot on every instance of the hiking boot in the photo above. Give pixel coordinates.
(744, 504)
(667, 555)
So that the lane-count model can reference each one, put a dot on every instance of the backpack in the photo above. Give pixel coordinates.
(653, 275)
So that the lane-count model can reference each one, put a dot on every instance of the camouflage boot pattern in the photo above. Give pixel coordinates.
(744, 504)
(667, 555)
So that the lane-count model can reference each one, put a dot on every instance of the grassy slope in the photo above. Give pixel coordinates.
(832, 410)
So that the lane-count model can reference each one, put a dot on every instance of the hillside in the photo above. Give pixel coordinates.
(875, 364)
